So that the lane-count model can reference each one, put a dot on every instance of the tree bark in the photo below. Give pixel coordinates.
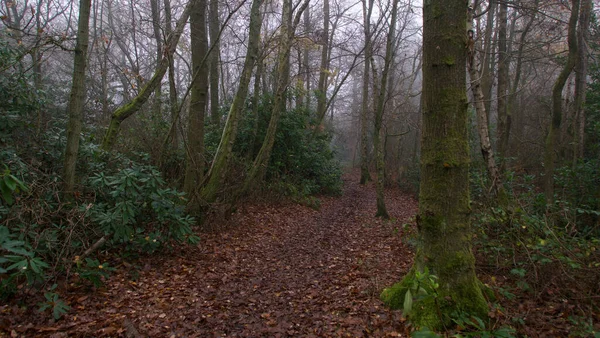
(218, 170)
(502, 140)
(77, 97)
(379, 112)
(581, 72)
(443, 221)
(213, 27)
(156, 109)
(194, 169)
(324, 68)
(173, 104)
(552, 139)
(133, 106)
(365, 175)
(482, 121)
(287, 29)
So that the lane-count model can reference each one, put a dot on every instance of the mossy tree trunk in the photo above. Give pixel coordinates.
(443, 221)
(218, 171)
(133, 106)
(194, 169)
(365, 175)
(286, 33)
(77, 97)
(553, 137)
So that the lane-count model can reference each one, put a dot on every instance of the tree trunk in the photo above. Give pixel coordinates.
(443, 221)
(173, 104)
(324, 68)
(502, 140)
(156, 109)
(218, 170)
(133, 106)
(365, 176)
(77, 97)
(213, 27)
(259, 167)
(379, 112)
(487, 69)
(194, 169)
(255, 109)
(552, 139)
(581, 71)
(482, 121)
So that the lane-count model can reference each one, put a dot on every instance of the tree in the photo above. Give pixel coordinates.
(482, 116)
(380, 100)
(287, 30)
(443, 221)
(77, 97)
(581, 72)
(365, 176)
(133, 106)
(213, 27)
(217, 174)
(553, 137)
(503, 60)
(194, 169)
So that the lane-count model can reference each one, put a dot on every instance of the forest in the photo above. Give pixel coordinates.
(299, 168)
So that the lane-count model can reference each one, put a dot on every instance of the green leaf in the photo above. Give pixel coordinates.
(10, 182)
(6, 193)
(408, 302)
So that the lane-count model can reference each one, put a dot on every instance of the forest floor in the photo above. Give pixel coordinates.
(276, 270)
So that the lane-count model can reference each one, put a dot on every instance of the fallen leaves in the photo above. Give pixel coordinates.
(284, 270)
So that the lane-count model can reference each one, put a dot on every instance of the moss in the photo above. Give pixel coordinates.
(449, 61)
(437, 312)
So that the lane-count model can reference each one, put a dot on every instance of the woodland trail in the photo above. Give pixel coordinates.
(278, 271)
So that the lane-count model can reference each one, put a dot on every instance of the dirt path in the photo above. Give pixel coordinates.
(280, 271)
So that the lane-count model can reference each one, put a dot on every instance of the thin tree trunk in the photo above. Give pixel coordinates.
(194, 169)
(218, 171)
(77, 97)
(552, 139)
(259, 167)
(255, 109)
(156, 109)
(482, 122)
(502, 81)
(213, 26)
(365, 176)
(381, 99)
(487, 69)
(581, 79)
(134, 105)
(173, 104)
(324, 68)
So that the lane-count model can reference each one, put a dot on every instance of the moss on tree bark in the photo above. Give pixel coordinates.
(443, 221)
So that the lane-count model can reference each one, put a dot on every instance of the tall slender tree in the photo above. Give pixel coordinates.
(194, 168)
(553, 137)
(77, 97)
(287, 30)
(380, 102)
(218, 172)
(443, 221)
(365, 176)
(213, 28)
